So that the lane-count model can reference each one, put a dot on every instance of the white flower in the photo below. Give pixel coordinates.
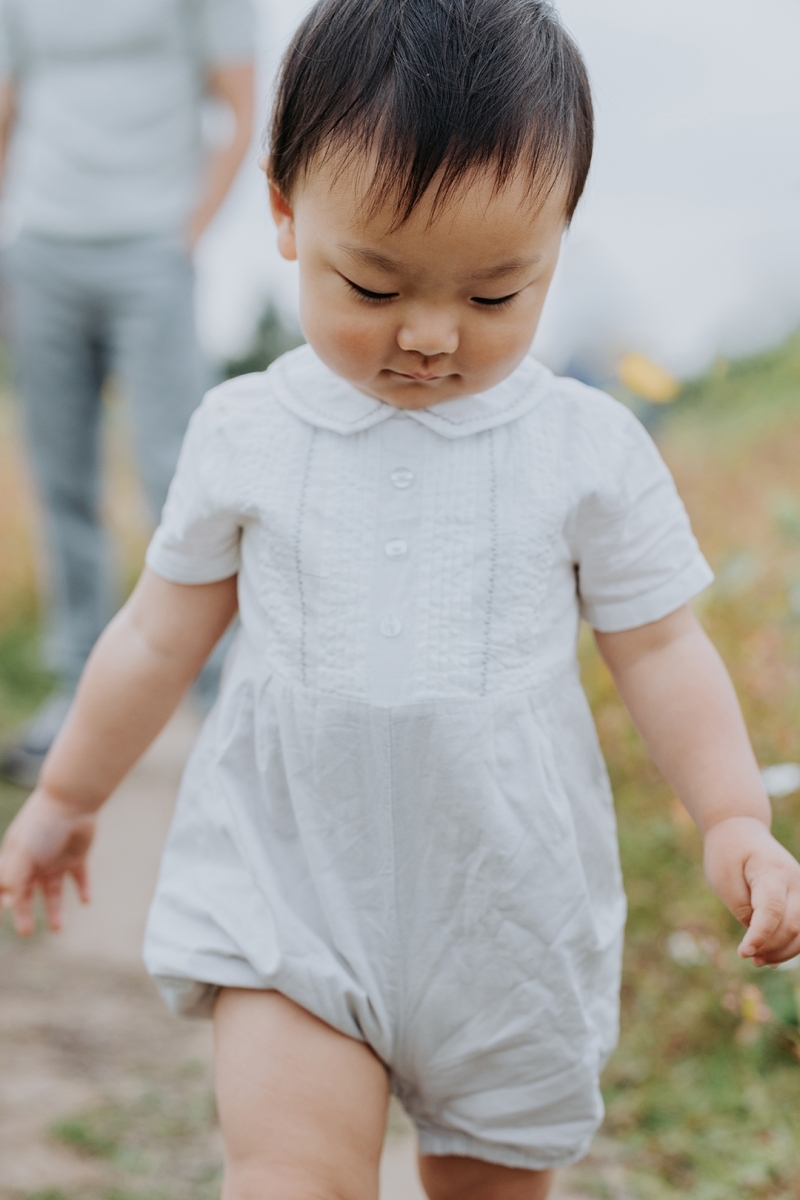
(684, 949)
(782, 779)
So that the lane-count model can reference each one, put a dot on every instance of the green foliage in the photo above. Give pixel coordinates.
(23, 680)
(704, 1091)
(152, 1144)
(11, 799)
(785, 508)
(86, 1136)
(741, 393)
(273, 338)
(23, 684)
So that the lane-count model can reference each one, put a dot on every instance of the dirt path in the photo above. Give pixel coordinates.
(101, 1092)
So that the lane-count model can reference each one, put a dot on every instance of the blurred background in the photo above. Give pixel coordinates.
(679, 291)
(687, 244)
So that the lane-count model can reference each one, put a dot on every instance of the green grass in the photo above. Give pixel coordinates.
(11, 799)
(153, 1145)
(88, 1135)
(703, 1094)
(23, 680)
(23, 685)
(738, 396)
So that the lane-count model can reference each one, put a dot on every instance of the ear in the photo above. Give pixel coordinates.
(283, 216)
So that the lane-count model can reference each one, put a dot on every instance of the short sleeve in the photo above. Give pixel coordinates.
(228, 31)
(636, 556)
(199, 535)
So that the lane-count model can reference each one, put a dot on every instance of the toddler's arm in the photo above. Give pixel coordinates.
(135, 677)
(682, 701)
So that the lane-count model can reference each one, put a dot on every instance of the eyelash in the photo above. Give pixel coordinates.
(501, 302)
(382, 297)
(370, 297)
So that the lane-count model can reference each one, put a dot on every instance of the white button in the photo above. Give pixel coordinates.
(402, 477)
(391, 625)
(396, 548)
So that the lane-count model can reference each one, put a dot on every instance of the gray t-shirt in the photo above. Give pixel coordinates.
(108, 141)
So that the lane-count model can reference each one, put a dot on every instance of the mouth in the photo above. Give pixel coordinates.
(417, 376)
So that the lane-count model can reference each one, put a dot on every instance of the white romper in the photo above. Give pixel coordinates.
(397, 813)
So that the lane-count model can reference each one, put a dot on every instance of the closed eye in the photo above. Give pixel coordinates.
(366, 294)
(499, 302)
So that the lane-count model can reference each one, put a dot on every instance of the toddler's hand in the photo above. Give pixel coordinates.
(759, 881)
(44, 842)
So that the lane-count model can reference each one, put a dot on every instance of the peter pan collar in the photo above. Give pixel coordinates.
(309, 389)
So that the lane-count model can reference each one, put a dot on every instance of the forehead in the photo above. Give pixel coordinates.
(479, 225)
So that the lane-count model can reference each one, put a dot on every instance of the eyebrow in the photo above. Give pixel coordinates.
(383, 262)
(508, 268)
(372, 258)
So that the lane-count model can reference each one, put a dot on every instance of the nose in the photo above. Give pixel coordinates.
(428, 332)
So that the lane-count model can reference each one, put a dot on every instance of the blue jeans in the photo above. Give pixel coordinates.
(80, 310)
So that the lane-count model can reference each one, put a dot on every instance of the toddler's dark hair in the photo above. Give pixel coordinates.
(432, 90)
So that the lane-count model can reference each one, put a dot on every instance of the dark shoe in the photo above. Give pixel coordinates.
(21, 760)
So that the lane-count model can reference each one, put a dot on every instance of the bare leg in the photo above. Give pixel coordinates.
(302, 1107)
(453, 1178)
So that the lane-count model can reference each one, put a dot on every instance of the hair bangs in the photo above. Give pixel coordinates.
(423, 94)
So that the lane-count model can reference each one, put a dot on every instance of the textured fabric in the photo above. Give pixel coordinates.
(107, 140)
(79, 310)
(397, 813)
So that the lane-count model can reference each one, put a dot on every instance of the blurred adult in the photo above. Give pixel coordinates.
(108, 183)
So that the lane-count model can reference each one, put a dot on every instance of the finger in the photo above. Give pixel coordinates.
(776, 957)
(768, 900)
(80, 876)
(778, 946)
(785, 943)
(16, 889)
(52, 888)
(22, 905)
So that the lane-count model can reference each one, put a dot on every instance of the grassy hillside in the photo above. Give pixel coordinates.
(704, 1092)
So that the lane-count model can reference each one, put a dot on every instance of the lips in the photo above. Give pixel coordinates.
(418, 378)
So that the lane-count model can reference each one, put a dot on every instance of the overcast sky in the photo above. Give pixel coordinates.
(687, 244)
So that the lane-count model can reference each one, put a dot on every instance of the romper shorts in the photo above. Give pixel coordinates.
(393, 872)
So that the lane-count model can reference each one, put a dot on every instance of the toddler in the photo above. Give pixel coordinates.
(393, 864)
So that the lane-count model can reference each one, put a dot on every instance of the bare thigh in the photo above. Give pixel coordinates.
(454, 1178)
(302, 1107)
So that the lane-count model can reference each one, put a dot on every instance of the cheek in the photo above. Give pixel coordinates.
(497, 341)
(509, 338)
(350, 336)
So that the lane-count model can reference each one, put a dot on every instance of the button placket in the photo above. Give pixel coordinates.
(392, 658)
(402, 477)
